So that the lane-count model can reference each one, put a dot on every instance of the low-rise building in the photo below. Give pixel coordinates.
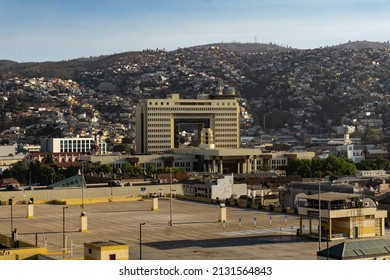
(74, 145)
(342, 215)
(220, 188)
(211, 160)
(106, 250)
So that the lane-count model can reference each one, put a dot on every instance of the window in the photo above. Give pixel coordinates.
(112, 257)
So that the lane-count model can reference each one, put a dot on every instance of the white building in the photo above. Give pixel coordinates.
(74, 145)
(222, 188)
(8, 156)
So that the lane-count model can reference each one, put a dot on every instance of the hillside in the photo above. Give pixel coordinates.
(302, 91)
(5, 64)
(71, 69)
(247, 47)
(359, 45)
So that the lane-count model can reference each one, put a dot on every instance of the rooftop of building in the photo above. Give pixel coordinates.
(357, 249)
(195, 233)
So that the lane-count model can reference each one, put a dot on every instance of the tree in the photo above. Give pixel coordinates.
(339, 166)
(127, 168)
(49, 159)
(317, 168)
(17, 171)
(321, 167)
(366, 165)
(300, 167)
(46, 175)
(106, 168)
(372, 136)
(168, 169)
(151, 169)
(123, 148)
(138, 169)
(70, 171)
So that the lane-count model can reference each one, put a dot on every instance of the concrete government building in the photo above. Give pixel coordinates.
(216, 149)
(159, 122)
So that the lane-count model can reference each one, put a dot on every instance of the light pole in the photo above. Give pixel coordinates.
(328, 237)
(63, 229)
(140, 240)
(10, 201)
(82, 183)
(319, 215)
(170, 197)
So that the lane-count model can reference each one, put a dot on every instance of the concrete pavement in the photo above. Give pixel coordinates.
(195, 233)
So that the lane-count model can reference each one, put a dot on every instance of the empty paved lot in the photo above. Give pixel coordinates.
(195, 234)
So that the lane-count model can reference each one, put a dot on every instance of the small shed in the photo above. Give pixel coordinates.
(106, 250)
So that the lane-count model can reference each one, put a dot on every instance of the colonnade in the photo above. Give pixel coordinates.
(244, 164)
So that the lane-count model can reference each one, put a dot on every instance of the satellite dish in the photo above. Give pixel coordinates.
(368, 202)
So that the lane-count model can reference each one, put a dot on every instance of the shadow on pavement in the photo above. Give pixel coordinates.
(225, 242)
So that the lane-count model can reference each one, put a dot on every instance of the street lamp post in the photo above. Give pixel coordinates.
(170, 197)
(12, 218)
(10, 201)
(82, 194)
(328, 237)
(82, 185)
(319, 214)
(82, 162)
(63, 228)
(140, 240)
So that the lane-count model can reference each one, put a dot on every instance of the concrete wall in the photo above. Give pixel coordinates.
(47, 195)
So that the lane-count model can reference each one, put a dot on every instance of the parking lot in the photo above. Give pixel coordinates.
(194, 234)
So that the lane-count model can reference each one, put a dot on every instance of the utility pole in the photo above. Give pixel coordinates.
(63, 229)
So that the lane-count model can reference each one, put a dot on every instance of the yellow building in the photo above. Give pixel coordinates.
(19, 250)
(106, 250)
(342, 216)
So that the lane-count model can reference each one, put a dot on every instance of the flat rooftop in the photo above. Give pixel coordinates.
(195, 234)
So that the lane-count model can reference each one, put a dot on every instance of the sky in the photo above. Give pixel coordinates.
(53, 30)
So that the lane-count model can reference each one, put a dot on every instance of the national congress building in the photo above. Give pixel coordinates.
(159, 120)
(217, 150)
